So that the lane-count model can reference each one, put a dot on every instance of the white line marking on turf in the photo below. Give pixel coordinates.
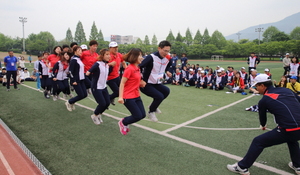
(231, 156)
(6, 164)
(205, 115)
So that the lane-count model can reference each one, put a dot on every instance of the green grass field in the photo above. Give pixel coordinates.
(69, 143)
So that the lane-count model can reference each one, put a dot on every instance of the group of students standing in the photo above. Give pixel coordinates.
(86, 72)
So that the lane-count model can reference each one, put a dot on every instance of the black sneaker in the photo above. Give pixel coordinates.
(112, 101)
(236, 169)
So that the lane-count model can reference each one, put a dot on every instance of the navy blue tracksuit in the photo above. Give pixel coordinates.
(285, 106)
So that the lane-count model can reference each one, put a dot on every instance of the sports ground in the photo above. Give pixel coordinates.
(200, 131)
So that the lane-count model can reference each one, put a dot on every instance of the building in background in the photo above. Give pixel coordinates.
(122, 39)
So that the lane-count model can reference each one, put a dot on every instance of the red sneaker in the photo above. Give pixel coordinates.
(123, 129)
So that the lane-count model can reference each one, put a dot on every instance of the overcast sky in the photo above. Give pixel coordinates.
(140, 17)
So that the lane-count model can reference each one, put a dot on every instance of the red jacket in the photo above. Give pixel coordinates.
(242, 84)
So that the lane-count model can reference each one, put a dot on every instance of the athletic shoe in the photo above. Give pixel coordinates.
(152, 116)
(236, 169)
(248, 109)
(297, 170)
(65, 96)
(68, 105)
(73, 106)
(55, 97)
(17, 88)
(122, 127)
(112, 101)
(158, 111)
(70, 95)
(89, 91)
(127, 128)
(100, 118)
(95, 119)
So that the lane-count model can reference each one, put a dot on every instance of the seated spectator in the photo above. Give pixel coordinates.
(294, 85)
(237, 84)
(167, 79)
(202, 80)
(190, 78)
(229, 73)
(26, 75)
(267, 71)
(210, 76)
(184, 72)
(244, 75)
(251, 81)
(282, 82)
(20, 75)
(3, 79)
(219, 81)
(177, 77)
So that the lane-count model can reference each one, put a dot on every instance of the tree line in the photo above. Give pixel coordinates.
(274, 43)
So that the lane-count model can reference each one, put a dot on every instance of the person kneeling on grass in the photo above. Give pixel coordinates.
(99, 73)
(285, 106)
(129, 93)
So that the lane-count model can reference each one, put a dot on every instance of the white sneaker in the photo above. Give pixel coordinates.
(68, 105)
(100, 118)
(158, 111)
(89, 91)
(236, 169)
(55, 97)
(65, 96)
(95, 119)
(152, 116)
(73, 106)
(297, 170)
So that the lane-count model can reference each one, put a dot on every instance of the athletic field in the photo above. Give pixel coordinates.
(200, 131)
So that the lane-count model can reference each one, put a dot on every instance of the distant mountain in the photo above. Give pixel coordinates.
(286, 25)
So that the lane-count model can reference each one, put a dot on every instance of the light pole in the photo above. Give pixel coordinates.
(260, 29)
(23, 20)
(238, 34)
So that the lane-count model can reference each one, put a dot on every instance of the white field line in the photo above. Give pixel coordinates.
(6, 164)
(205, 115)
(216, 151)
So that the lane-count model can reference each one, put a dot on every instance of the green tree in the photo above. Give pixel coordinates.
(232, 48)
(179, 38)
(94, 32)
(79, 34)
(268, 33)
(146, 41)
(209, 49)
(171, 37)
(218, 40)
(100, 36)
(179, 48)
(280, 36)
(154, 40)
(198, 37)
(295, 34)
(188, 37)
(205, 37)
(195, 50)
(243, 41)
(139, 41)
(69, 36)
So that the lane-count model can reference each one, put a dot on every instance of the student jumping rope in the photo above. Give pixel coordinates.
(154, 67)
(99, 72)
(60, 74)
(129, 93)
(76, 71)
